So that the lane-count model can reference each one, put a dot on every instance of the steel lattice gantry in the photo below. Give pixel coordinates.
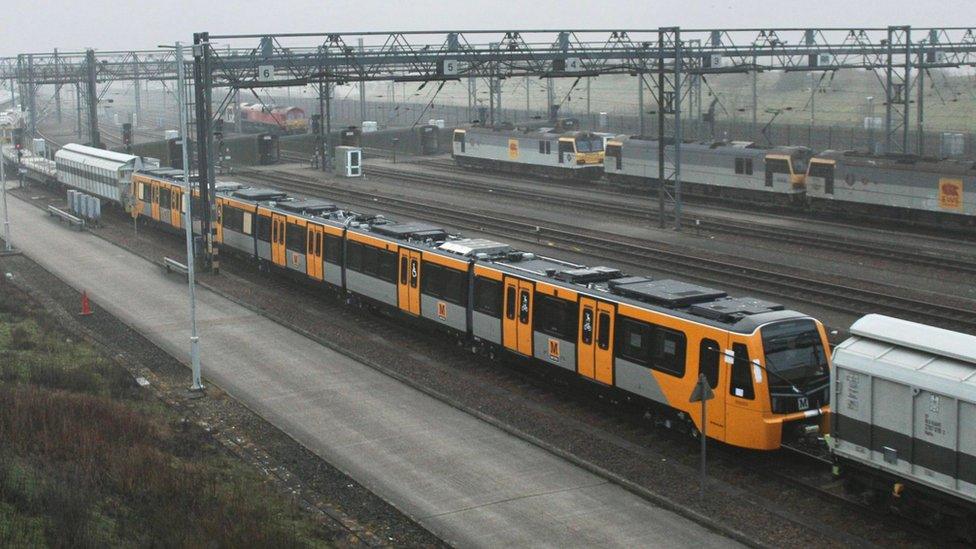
(670, 63)
(27, 72)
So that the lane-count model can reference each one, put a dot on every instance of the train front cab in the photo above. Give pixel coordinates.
(820, 177)
(781, 175)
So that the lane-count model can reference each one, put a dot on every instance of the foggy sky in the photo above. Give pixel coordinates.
(42, 25)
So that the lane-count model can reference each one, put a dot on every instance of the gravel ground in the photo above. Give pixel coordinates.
(353, 515)
(556, 410)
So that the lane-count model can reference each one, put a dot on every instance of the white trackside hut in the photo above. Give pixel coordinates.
(98, 172)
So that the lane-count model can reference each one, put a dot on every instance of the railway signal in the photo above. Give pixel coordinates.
(702, 393)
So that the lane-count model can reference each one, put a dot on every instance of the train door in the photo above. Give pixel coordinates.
(595, 345)
(408, 291)
(742, 402)
(176, 212)
(517, 321)
(712, 364)
(567, 151)
(278, 255)
(604, 342)
(154, 189)
(313, 259)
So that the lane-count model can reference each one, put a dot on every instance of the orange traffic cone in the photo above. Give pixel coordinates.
(86, 309)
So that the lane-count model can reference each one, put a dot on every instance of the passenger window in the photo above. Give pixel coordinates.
(741, 383)
(740, 165)
(403, 269)
(603, 332)
(748, 166)
(542, 147)
(587, 334)
(318, 244)
(488, 296)
(708, 360)
(510, 303)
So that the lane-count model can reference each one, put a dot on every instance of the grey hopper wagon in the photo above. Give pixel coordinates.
(904, 408)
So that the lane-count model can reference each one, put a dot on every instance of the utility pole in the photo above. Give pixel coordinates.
(31, 99)
(813, 99)
(57, 86)
(362, 89)
(135, 89)
(920, 104)
(92, 91)
(755, 100)
(528, 108)
(196, 385)
(640, 101)
(205, 173)
(589, 115)
(78, 106)
(7, 246)
(661, 175)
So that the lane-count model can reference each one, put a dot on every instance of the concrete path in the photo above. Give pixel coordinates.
(468, 482)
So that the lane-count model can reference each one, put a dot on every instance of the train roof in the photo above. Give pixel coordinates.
(905, 161)
(685, 300)
(93, 152)
(727, 147)
(538, 133)
(916, 354)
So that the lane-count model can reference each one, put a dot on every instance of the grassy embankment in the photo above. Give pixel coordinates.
(87, 458)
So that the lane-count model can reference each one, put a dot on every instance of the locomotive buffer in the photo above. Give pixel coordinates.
(702, 393)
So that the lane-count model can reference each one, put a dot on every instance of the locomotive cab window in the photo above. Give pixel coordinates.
(709, 356)
(741, 382)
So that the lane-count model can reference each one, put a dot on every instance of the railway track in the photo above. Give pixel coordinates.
(640, 254)
(648, 212)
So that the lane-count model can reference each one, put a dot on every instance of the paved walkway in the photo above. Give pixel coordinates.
(468, 482)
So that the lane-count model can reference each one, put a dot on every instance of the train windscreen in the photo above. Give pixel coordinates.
(795, 354)
(589, 145)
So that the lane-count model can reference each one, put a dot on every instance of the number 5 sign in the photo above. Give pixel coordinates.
(265, 73)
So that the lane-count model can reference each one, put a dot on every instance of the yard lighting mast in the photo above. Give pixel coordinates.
(188, 218)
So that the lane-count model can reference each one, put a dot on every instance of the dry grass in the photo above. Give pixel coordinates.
(86, 460)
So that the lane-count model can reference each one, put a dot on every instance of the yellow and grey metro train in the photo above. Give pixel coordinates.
(648, 339)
